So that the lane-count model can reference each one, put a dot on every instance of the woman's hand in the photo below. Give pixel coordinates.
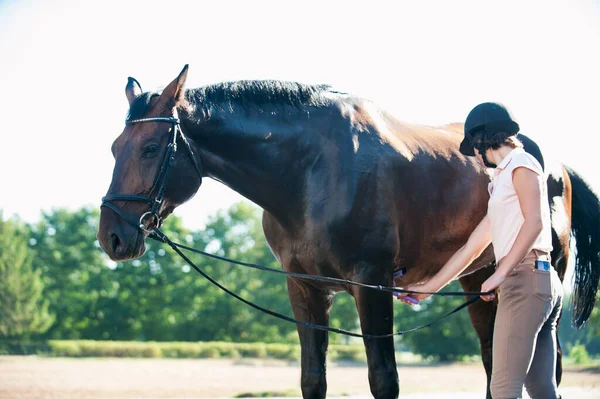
(406, 297)
(491, 284)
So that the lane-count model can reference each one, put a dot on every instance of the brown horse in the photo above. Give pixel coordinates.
(347, 191)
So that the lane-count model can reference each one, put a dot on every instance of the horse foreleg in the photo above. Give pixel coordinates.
(375, 310)
(482, 316)
(311, 305)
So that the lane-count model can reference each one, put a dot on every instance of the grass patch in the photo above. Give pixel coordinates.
(177, 350)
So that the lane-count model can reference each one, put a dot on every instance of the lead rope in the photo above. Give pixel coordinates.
(161, 237)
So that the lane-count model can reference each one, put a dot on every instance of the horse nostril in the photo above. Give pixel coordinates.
(114, 241)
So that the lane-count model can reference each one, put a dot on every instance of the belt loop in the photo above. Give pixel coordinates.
(542, 255)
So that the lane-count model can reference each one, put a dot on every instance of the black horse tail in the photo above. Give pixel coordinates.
(585, 226)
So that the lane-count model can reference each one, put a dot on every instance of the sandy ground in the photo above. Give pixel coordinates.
(64, 378)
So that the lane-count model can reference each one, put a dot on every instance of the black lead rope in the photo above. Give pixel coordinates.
(161, 237)
(320, 278)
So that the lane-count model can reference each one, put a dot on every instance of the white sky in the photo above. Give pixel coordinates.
(64, 66)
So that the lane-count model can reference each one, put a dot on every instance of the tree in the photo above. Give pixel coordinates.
(212, 314)
(158, 296)
(588, 335)
(23, 309)
(152, 294)
(75, 271)
(448, 339)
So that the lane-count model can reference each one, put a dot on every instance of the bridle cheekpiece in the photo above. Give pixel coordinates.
(150, 220)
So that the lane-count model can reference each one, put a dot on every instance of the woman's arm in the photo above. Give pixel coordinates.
(478, 241)
(527, 188)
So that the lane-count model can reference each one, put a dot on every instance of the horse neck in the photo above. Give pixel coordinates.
(255, 155)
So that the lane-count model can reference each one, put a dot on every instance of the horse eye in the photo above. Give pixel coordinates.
(150, 151)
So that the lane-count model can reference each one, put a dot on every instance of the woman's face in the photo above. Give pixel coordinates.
(487, 159)
(479, 156)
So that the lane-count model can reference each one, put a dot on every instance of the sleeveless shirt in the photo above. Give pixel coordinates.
(504, 210)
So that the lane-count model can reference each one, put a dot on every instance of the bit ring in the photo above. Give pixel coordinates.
(154, 221)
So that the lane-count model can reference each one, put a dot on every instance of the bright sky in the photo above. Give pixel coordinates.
(64, 66)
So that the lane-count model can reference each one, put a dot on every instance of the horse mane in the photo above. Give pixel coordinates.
(245, 93)
(258, 94)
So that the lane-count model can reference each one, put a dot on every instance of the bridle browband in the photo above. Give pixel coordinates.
(151, 220)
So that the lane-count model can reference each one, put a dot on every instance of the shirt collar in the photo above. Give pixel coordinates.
(509, 158)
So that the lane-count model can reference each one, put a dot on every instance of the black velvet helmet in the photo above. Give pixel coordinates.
(485, 119)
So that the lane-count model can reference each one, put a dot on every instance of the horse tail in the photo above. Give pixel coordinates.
(585, 227)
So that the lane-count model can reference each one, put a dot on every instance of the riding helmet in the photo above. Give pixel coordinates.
(487, 118)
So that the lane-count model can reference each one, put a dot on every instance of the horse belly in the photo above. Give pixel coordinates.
(439, 221)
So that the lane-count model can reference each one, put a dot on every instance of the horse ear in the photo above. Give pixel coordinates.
(173, 93)
(133, 89)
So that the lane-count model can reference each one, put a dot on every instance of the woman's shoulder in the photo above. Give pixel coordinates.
(523, 159)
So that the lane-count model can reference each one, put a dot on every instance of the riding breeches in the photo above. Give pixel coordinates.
(524, 343)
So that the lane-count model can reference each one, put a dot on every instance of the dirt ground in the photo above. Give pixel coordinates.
(65, 378)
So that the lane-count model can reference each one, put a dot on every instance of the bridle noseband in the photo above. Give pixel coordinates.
(151, 220)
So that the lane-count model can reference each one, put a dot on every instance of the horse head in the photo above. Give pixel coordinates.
(150, 177)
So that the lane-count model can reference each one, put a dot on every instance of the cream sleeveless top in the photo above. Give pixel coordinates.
(504, 210)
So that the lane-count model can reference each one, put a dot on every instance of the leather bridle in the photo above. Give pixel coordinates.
(151, 220)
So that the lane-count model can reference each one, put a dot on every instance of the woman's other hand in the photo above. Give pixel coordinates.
(491, 284)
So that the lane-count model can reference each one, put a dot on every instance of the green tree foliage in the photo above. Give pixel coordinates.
(237, 234)
(158, 297)
(74, 270)
(588, 335)
(594, 320)
(23, 309)
(449, 339)
(197, 310)
(148, 294)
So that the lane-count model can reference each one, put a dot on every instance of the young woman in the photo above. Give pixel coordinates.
(517, 224)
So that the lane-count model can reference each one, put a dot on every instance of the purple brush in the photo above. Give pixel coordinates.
(397, 274)
(408, 298)
(411, 299)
